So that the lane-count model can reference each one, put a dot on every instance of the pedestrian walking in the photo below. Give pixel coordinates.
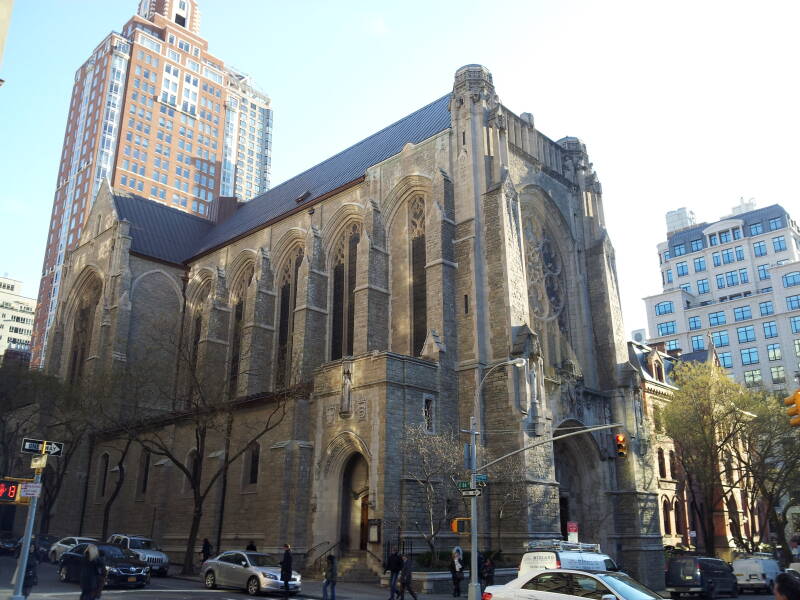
(457, 572)
(31, 573)
(286, 568)
(786, 587)
(487, 572)
(405, 579)
(251, 547)
(207, 550)
(330, 578)
(93, 574)
(394, 565)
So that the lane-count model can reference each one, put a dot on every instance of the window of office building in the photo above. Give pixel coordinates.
(702, 286)
(791, 279)
(739, 252)
(793, 302)
(742, 313)
(698, 342)
(686, 287)
(666, 307)
(752, 378)
(682, 268)
(763, 272)
(797, 348)
(756, 228)
(720, 338)
(717, 318)
(727, 256)
(779, 243)
(746, 334)
(774, 352)
(716, 259)
(766, 308)
(696, 245)
(694, 323)
(668, 276)
(732, 278)
(679, 250)
(778, 374)
(724, 237)
(671, 345)
(794, 323)
(725, 359)
(760, 248)
(720, 281)
(699, 264)
(713, 240)
(770, 329)
(666, 328)
(749, 356)
(775, 223)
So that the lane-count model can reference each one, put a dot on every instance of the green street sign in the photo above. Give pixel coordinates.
(481, 478)
(463, 485)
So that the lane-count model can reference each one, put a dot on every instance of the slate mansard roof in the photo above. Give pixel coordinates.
(175, 236)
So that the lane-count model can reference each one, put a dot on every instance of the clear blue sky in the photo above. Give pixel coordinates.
(680, 104)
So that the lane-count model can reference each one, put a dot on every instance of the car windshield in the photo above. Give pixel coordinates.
(111, 552)
(261, 560)
(628, 588)
(140, 544)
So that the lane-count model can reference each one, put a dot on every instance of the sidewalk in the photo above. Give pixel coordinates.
(348, 591)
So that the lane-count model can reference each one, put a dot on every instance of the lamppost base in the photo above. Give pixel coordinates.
(474, 591)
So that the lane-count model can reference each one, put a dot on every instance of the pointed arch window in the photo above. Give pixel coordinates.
(418, 256)
(254, 461)
(344, 286)
(144, 470)
(666, 509)
(680, 524)
(102, 476)
(239, 294)
(197, 328)
(662, 468)
(82, 331)
(287, 302)
(673, 465)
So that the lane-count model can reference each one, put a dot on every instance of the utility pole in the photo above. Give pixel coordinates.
(474, 592)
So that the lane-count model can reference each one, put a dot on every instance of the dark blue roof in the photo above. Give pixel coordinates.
(159, 231)
(333, 173)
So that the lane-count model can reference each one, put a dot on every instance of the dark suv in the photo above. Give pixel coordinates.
(700, 576)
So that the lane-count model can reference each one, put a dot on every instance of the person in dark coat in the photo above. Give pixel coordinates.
(394, 565)
(487, 571)
(330, 578)
(207, 550)
(457, 572)
(93, 574)
(405, 579)
(286, 568)
(31, 573)
(251, 547)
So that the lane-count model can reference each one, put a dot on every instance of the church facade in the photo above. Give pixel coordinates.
(384, 283)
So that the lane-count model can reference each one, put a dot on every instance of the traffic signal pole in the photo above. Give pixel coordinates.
(22, 565)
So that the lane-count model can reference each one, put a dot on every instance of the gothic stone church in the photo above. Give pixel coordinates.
(387, 280)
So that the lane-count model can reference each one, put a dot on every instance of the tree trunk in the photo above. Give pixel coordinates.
(188, 558)
(117, 488)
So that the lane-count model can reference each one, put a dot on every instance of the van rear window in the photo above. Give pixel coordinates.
(683, 568)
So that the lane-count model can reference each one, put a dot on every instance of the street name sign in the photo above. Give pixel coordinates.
(31, 446)
(470, 492)
(481, 478)
(30, 490)
(463, 485)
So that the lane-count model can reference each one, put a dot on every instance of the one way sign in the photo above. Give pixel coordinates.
(31, 446)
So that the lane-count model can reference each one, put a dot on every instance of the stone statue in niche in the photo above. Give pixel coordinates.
(346, 402)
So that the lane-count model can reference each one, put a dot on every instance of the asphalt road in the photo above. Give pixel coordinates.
(169, 588)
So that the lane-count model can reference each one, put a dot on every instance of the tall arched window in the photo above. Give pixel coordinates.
(197, 328)
(193, 466)
(238, 297)
(253, 463)
(144, 471)
(344, 285)
(82, 331)
(665, 508)
(680, 524)
(419, 301)
(673, 465)
(662, 468)
(287, 301)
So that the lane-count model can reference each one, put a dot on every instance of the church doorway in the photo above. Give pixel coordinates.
(582, 496)
(354, 524)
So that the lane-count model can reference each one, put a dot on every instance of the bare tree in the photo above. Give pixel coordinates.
(434, 465)
(507, 490)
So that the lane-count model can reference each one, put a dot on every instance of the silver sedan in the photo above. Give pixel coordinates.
(251, 571)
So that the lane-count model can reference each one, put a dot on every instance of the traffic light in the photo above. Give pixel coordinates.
(460, 525)
(621, 443)
(793, 402)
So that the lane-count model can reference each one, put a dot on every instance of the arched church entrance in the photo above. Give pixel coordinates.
(354, 503)
(582, 498)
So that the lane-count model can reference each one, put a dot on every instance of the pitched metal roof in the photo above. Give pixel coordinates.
(159, 231)
(333, 173)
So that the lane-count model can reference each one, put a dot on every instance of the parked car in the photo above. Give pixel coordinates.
(145, 548)
(252, 571)
(570, 584)
(60, 546)
(41, 545)
(8, 542)
(123, 568)
(557, 554)
(756, 573)
(700, 576)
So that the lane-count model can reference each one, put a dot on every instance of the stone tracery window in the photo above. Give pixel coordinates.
(238, 296)
(82, 331)
(344, 285)
(418, 256)
(287, 301)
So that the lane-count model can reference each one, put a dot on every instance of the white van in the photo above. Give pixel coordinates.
(557, 554)
(755, 573)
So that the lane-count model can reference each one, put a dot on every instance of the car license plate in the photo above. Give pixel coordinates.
(132, 579)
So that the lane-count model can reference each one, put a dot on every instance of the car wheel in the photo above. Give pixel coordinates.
(210, 580)
(253, 587)
(63, 574)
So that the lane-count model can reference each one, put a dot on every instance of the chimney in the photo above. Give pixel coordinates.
(658, 346)
(223, 208)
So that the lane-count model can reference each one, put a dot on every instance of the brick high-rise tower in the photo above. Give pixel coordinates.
(154, 112)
